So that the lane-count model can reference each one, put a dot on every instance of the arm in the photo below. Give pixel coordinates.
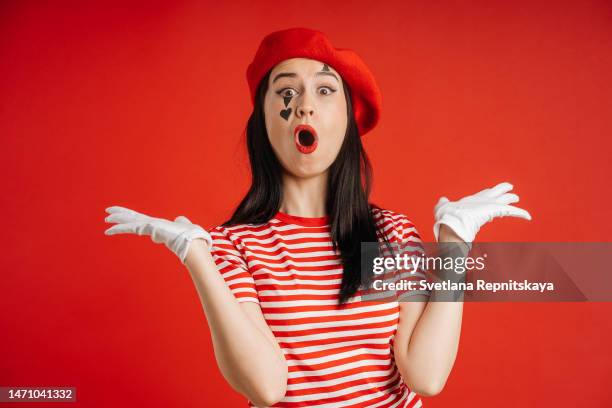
(427, 339)
(246, 351)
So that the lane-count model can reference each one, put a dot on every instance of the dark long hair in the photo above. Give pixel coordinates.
(348, 189)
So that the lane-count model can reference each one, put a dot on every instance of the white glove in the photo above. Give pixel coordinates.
(466, 216)
(175, 235)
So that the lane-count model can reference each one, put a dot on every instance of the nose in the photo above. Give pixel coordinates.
(305, 106)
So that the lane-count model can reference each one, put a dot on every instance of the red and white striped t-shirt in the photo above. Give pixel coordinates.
(336, 357)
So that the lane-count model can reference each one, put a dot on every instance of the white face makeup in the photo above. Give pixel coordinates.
(309, 93)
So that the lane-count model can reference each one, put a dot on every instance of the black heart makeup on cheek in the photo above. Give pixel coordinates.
(286, 112)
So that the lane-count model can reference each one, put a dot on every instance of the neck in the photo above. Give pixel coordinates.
(304, 197)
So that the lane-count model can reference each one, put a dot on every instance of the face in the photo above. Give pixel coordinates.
(305, 114)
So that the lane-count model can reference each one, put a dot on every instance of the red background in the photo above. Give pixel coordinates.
(144, 106)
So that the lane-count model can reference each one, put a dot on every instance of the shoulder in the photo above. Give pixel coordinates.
(226, 236)
(227, 243)
(395, 225)
(221, 233)
(234, 234)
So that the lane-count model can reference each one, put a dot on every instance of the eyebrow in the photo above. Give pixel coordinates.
(293, 75)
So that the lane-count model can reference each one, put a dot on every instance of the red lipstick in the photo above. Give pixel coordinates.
(306, 138)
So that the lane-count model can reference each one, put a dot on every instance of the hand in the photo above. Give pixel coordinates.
(466, 216)
(176, 235)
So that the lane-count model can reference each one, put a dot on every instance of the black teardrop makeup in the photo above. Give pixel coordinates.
(285, 113)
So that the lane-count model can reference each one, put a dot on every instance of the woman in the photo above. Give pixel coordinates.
(280, 282)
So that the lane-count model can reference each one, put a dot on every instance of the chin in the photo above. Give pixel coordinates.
(308, 171)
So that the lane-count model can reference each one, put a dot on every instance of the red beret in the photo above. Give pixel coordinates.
(306, 43)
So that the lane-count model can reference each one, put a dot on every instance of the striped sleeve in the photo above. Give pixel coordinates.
(232, 266)
(411, 245)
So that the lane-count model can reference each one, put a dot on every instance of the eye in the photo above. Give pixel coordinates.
(285, 94)
(329, 90)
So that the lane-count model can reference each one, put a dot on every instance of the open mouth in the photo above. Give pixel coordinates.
(306, 139)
